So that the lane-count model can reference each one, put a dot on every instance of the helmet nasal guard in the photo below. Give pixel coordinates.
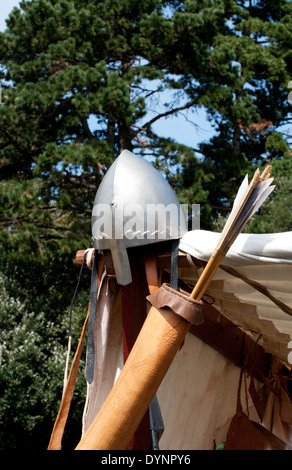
(134, 206)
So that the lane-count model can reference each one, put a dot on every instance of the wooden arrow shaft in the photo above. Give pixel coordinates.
(227, 238)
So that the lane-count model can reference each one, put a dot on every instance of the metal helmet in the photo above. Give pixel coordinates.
(134, 206)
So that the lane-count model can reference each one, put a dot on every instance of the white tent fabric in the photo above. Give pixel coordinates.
(248, 249)
(108, 350)
(197, 398)
(256, 294)
(198, 394)
(197, 413)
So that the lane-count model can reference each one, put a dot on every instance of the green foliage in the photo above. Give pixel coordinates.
(34, 307)
(220, 446)
(275, 215)
(247, 101)
(84, 74)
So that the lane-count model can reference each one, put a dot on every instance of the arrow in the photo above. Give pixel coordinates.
(247, 201)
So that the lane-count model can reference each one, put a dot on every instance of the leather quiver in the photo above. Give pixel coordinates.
(179, 301)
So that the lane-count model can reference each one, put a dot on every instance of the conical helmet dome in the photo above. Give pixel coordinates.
(134, 206)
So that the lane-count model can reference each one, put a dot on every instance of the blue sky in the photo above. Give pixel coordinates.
(189, 128)
(5, 9)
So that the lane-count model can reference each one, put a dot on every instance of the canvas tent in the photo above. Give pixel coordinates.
(247, 319)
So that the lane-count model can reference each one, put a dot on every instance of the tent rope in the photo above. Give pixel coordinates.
(255, 284)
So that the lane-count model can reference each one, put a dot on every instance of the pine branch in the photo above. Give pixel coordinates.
(167, 113)
(14, 142)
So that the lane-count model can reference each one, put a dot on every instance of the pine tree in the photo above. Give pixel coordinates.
(247, 96)
(232, 57)
(75, 79)
(78, 80)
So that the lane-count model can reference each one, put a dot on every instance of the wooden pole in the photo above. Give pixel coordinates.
(88, 259)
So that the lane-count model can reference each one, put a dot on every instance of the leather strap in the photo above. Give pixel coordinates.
(246, 434)
(151, 269)
(151, 273)
(174, 265)
(91, 321)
